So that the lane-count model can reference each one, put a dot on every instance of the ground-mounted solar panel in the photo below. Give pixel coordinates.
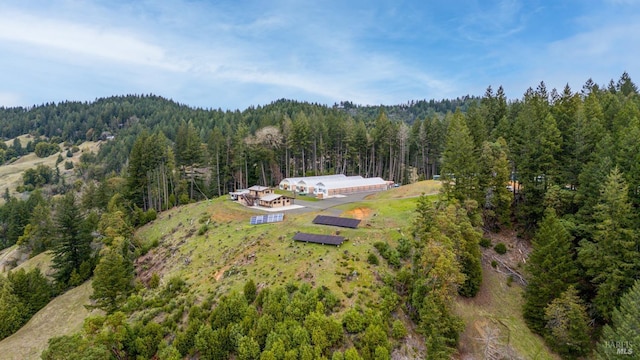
(319, 239)
(264, 219)
(336, 221)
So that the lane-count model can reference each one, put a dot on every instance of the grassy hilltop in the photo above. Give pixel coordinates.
(213, 248)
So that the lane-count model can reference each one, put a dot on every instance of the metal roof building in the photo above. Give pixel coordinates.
(307, 186)
(290, 183)
(328, 188)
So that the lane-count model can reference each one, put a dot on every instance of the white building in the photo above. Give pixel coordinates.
(306, 186)
(290, 183)
(327, 188)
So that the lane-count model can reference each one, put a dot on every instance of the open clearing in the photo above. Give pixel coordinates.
(63, 315)
(11, 174)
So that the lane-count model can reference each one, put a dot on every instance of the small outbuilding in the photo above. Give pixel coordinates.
(258, 191)
(275, 200)
(235, 195)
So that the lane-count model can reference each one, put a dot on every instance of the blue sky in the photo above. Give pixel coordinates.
(233, 54)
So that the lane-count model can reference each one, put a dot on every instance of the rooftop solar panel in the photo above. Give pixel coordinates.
(336, 221)
(319, 239)
(264, 219)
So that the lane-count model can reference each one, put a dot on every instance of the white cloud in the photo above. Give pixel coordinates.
(104, 43)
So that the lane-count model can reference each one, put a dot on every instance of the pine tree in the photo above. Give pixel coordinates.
(73, 246)
(622, 336)
(32, 289)
(11, 310)
(189, 151)
(425, 217)
(494, 177)
(612, 259)
(460, 164)
(552, 269)
(567, 324)
(113, 277)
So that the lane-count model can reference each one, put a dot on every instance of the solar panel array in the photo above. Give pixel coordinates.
(336, 221)
(319, 239)
(264, 219)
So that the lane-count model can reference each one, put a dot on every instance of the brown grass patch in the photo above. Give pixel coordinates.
(64, 315)
(360, 213)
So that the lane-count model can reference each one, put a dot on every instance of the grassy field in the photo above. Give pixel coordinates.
(63, 315)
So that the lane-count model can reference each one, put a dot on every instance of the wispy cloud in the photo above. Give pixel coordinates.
(108, 44)
(219, 54)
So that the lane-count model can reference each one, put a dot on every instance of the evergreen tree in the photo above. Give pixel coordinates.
(73, 246)
(568, 325)
(189, 151)
(612, 259)
(469, 254)
(460, 164)
(551, 267)
(39, 232)
(32, 289)
(11, 310)
(113, 277)
(425, 217)
(622, 336)
(494, 177)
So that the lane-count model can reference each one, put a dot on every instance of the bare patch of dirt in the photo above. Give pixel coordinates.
(513, 262)
(156, 261)
(243, 259)
(359, 213)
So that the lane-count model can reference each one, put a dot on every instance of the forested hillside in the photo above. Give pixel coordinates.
(560, 167)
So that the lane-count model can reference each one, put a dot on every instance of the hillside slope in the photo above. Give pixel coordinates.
(63, 315)
(212, 246)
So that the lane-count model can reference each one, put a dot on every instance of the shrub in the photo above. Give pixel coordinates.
(383, 248)
(44, 149)
(394, 258)
(68, 165)
(485, 242)
(154, 282)
(353, 321)
(250, 291)
(373, 259)
(203, 229)
(151, 215)
(500, 248)
(404, 248)
(494, 264)
(398, 331)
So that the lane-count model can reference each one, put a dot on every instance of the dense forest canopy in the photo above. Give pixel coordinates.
(561, 167)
